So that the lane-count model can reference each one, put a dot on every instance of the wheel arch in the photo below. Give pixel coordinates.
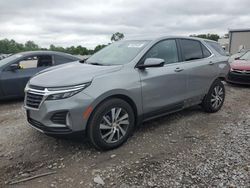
(122, 96)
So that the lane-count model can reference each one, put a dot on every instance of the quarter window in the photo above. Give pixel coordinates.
(191, 49)
(217, 47)
(206, 52)
(166, 50)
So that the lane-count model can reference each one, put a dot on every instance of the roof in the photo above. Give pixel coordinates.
(44, 52)
(166, 37)
(239, 30)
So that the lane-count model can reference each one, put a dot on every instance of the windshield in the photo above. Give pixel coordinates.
(246, 56)
(9, 59)
(118, 53)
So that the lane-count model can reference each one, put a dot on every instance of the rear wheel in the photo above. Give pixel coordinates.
(111, 124)
(215, 97)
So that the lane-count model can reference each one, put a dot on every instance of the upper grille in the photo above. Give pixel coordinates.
(33, 100)
(36, 87)
(241, 71)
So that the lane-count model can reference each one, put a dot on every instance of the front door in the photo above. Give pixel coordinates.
(163, 88)
(14, 81)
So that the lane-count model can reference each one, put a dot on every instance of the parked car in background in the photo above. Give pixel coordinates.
(2, 56)
(240, 70)
(17, 69)
(125, 83)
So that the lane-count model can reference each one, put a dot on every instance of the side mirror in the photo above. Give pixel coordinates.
(152, 62)
(14, 67)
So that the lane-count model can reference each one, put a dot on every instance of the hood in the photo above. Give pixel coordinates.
(70, 74)
(241, 65)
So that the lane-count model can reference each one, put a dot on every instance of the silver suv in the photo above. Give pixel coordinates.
(124, 84)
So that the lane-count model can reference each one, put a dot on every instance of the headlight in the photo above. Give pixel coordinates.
(65, 92)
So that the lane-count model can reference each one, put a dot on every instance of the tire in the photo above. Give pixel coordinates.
(111, 124)
(215, 97)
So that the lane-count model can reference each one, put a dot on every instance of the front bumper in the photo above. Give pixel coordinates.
(43, 119)
(238, 78)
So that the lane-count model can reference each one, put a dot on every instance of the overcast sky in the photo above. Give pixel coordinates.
(92, 22)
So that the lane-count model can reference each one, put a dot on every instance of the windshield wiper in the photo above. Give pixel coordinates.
(94, 63)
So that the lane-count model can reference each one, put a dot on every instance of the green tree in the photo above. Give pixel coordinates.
(209, 36)
(30, 45)
(117, 36)
(99, 47)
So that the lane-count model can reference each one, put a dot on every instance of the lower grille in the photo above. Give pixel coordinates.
(59, 118)
(242, 78)
(46, 129)
(33, 100)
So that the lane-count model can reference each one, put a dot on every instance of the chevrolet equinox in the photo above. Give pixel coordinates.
(124, 84)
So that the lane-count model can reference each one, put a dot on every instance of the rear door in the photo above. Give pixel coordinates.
(14, 81)
(201, 68)
(163, 88)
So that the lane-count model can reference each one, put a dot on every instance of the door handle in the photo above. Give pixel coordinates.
(211, 63)
(178, 69)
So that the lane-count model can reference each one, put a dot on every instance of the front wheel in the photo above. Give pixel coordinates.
(215, 97)
(111, 124)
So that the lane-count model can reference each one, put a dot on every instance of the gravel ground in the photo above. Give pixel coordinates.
(186, 149)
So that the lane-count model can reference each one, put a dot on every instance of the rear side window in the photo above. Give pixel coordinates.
(217, 47)
(191, 49)
(61, 59)
(206, 52)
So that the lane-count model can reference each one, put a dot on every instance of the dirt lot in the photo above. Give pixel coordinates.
(186, 149)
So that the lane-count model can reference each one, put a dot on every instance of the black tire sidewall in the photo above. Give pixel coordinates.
(94, 125)
(207, 105)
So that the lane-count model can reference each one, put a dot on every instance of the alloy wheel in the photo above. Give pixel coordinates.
(114, 125)
(217, 97)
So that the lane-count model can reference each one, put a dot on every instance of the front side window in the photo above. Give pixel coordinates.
(191, 49)
(166, 50)
(29, 62)
(35, 61)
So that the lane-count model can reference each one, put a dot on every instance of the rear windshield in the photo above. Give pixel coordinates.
(217, 47)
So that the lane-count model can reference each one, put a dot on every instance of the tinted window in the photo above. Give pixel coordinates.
(206, 52)
(166, 50)
(61, 59)
(191, 49)
(217, 47)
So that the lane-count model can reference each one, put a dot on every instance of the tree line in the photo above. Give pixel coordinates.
(11, 46)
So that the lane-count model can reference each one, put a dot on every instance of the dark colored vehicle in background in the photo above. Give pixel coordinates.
(17, 69)
(240, 70)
